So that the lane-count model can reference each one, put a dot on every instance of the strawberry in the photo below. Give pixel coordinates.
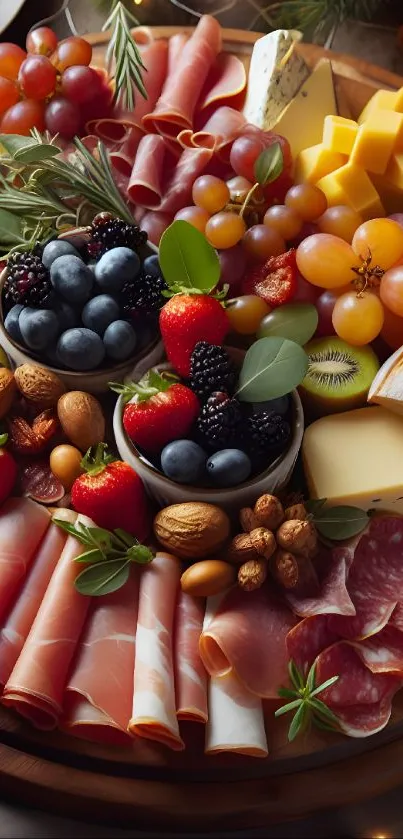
(163, 410)
(275, 281)
(8, 470)
(187, 319)
(112, 494)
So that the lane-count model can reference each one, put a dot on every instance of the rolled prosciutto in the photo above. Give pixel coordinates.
(154, 708)
(22, 526)
(190, 674)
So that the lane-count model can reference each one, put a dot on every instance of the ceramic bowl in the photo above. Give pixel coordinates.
(91, 381)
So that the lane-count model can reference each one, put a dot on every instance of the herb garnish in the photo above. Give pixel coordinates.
(308, 709)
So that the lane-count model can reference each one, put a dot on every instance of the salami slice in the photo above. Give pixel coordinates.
(333, 598)
(383, 652)
(396, 618)
(356, 684)
(309, 638)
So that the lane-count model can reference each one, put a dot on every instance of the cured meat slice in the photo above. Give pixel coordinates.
(36, 685)
(333, 598)
(146, 180)
(104, 665)
(19, 621)
(89, 723)
(248, 636)
(154, 709)
(176, 45)
(396, 618)
(178, 188)
(383, 652)
(236, 720)
(220, 130)
(190, 674)
(177, 103)
(225, 83)
(22, 526)
(307, 639)
(155, 225)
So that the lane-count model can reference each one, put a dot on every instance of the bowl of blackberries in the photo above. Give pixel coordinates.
(85, 304)
(193, 440)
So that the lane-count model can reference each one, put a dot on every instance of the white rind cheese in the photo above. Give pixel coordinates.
(276, 73)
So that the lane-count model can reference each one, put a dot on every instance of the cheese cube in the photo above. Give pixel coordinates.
(376, 140)
(356, 458)
(316, 162)
(399, 101)
(382, 99)
(302, 120)
(339, 134)
(352, 186)
(394, 172)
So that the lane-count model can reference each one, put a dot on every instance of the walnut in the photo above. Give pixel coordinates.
(298, 537)
(293, 571)
(241, 549)
(248, 519)
(27, 439)
(296, 513)
(269, 511)
(252, 574)
(263, 541)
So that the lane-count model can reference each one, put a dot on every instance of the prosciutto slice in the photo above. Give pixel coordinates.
(146, 180)
(248, 636)
(236, 720)
(36, 685)
(190, 675)
(104, 667)
(176, 106)
(178, 189)
(225, 83)
(22, 526)
(19, 621)
(155, 225)
(154, 709)
(220, 130)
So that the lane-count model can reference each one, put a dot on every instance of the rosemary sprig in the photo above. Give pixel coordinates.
(312, 16)
(308, 709)
(124, 56)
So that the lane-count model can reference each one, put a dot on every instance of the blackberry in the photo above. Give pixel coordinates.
(211, 369)
(266, 436)
(144, 293)
(219, 425)
(108, 232)
(28, 282)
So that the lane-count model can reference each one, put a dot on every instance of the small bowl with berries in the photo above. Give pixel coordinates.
(85, 305)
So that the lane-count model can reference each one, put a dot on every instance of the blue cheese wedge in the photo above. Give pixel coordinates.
(276, 74)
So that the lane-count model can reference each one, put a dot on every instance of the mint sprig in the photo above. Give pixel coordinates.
(303, 696)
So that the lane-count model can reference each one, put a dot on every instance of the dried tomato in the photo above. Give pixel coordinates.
(275, 281)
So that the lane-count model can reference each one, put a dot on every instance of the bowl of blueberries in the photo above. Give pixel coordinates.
(85, 305)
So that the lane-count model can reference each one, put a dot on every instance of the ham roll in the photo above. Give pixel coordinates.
(22, 526)
(190, 674)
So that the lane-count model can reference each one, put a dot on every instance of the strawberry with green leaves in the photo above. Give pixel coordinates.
(8, 470)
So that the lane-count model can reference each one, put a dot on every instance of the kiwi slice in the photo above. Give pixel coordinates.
(339, 376)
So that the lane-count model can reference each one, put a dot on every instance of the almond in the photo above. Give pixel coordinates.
(192, 530)
(81, 418)
(8, 390)
(39, 385)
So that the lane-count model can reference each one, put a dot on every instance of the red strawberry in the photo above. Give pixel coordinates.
(187, 319)
(276, 281)
(8, 470)
(163, 411)
(112, 494)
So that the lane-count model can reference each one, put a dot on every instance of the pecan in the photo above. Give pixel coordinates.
(252, 574)
(298, 537)
(269, 512)
(263, 541)
(294, 572)
(296, 512)
(27, 439)
(248, 519)
(241, 549)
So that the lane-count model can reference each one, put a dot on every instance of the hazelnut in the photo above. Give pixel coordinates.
(296, 512)
(298, 537)
(269, 511)
(248, 519)
(263, 541)
(252, 574)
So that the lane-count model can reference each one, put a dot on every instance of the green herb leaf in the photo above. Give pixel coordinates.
(343, 522)
(303, 701)
(295, 675)
(322, 709)
(3, 440)
(286, 693)
(272, 367)
(92, 555)
(269, 165)
(313, 505)
(140, 554)
(188, 262)
(74, 530)
(327, 684)
(103, 577)
(289, 707)
(36, 153)
(124, 538)
(11, 228)
(297, 723)
(310, 680)
(14, 143)
(296, 321)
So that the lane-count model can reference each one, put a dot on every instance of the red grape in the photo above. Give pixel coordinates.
(244, 154)
(62, 117)
(306, 292)
(80, 84)
(41, 41)
(9, 94)
(11, 58)
(20, 118)
(270, 137)
(70, 52)
(233, 266)
(325, 305)
(37, 77)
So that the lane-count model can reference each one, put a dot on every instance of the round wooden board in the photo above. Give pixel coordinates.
(148, 786)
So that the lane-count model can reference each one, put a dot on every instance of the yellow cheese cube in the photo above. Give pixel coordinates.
(399, 101)
(382, 99)
(376, 140)
(339, 134)
(344, 464)
(316, 162)
(351, 185)
(394, 172)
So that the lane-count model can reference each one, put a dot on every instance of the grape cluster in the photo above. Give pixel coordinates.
(50, 85)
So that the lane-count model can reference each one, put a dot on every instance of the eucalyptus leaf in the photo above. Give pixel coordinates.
(36, 153)
(296, 321)
(272, 367)
(313, 505)
(103, 577)
(93, 555)
(269, 165)
(339, 523)
(13, 143)
(11, 228)
(188, 262)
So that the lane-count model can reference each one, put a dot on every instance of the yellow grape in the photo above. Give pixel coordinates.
(340, 221)
(358, 319)
(195, 216)
(245, 313)
(261, 241)
(391, 290)
(283, 219)
(381, 239)
(210, 193)
(326, 261)
(307, 200)
(224, 230)
(238, 188)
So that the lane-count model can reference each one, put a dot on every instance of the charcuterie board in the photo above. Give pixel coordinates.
(145, 784)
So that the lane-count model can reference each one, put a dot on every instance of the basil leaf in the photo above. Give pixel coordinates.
(188, 262)
(269, 164)
(338, 523)
(103, 577)
(10, 228)
(272, 367)
(13, 143)
(296, 321)
(36, 153)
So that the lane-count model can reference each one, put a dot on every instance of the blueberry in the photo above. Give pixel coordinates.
(55, 249)
(11, 324)
(39, 327)
(228, 467)
(71, 278)
(99, 312)
(151, 265)
(52, 356)
(183, 461)
(66, 314)
(120, 340)
(80, 349)
(280, 406)
(116, 267)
